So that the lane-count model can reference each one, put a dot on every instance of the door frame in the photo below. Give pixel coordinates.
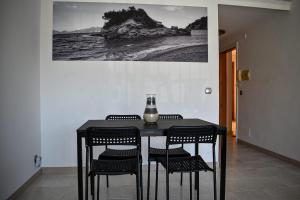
(236, 47)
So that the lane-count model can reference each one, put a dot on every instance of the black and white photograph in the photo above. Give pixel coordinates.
(129, 32)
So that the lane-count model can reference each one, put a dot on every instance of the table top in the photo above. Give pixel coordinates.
(158, 129)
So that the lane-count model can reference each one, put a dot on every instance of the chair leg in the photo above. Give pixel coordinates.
(215, 170)
(148, 181)
(87, 155)
(191, 186)
(181, 176)
(167, 185)
(107, 181)
(215, 186)
(91, 179)
(86, 184)
(93, 186)
(156, 181)
(138, 186)
(198, 187)
(98, 186)
(141, 180)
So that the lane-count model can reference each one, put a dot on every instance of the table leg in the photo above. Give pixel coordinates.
(196, 173)
(79, 167)
(223, 165)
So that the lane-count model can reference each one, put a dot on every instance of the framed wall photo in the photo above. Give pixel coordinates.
(129, 32)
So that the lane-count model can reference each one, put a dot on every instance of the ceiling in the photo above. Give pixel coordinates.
(234, 19)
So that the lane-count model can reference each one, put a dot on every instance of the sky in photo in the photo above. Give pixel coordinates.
(69, 16)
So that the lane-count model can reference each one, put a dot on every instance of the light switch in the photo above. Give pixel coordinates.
(208, 90)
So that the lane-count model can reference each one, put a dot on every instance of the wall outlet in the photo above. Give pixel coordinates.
(37, 161)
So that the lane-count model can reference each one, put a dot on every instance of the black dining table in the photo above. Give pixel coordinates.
(158, 129)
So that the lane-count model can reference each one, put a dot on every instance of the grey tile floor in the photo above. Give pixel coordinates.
(251, 175)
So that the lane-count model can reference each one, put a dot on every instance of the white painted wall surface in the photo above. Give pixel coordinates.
(73, 92)
(20, 135)
(269, 4)
(269, 106)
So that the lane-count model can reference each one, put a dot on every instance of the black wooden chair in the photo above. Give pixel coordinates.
(188, 135)
(102, 136)
(115, 153)
(154, 153)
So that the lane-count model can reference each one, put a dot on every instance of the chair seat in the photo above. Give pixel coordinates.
(185, 164)
(155, 153)
(111, 154)
(114, 167)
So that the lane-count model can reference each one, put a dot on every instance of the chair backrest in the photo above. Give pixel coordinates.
(191, 134)
(122, 117)
(102, 136)
(170, 116)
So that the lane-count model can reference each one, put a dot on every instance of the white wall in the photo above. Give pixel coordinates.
(270, 106)
(73, 92)
(20, 135)
(270, 4)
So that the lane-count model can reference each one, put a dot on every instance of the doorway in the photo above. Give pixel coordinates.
(228, 91)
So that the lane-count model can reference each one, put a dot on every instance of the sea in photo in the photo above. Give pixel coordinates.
(129, 33)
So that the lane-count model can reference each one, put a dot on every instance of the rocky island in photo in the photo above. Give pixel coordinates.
(129, 33)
